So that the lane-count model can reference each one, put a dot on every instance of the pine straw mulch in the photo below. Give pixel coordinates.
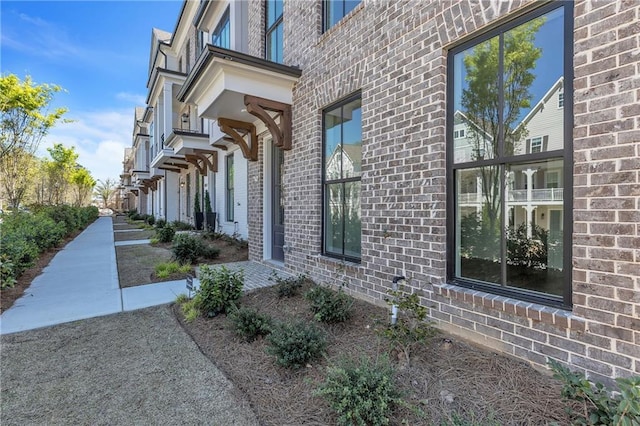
(448, 378)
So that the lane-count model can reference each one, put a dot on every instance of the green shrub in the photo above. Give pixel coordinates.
(150, 220)
(220, 289)
(210, 252)
(411, 328)
(165, 234)
(161, 223)
(600, 406)
(132, 213)
(362, 393)
(250, 324)
(187, 248)
(287, 287)
(7, 272)
(329, 306)
(181, 226)
(295, 344)
(163, 270)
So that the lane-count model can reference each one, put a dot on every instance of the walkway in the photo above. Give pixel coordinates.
(82, 282)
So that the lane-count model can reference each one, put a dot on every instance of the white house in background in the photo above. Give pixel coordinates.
(534, 192)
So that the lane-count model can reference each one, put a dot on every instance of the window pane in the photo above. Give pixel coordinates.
(334, 218)
(535, 197)
(352, 222)
(533, 79)
(475, 92)
(478, 224)
(352, 139)
(334, 10)
(332, 148)
(274, 44)
(221, 36)
(274, 11)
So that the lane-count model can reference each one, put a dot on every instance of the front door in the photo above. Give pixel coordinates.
(277, 211)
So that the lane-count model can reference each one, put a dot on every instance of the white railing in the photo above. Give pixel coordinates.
(549, 194)
(517, 195)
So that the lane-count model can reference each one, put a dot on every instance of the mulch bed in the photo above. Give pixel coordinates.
(446, 378)
(8, 296)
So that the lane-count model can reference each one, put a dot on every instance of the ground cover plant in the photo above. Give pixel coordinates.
(166, 269)
(448, 382)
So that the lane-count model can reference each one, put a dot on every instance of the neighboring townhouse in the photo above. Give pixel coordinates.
(488, 152)
(128, 200)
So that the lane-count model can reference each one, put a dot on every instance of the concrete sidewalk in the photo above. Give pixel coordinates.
(82, 282)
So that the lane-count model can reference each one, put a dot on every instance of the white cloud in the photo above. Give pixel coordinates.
(99, 137)
(133, 98)
(40, 38)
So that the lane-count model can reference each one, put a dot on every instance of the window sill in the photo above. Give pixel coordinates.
(556, 317)
(339, 263)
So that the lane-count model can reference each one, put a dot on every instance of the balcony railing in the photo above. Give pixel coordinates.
(549, 194)
(518, 195)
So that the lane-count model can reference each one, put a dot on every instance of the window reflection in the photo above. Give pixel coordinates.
(507, 137)
(342, 169)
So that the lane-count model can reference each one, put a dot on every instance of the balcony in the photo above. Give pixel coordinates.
(184, 141)
(237, 90)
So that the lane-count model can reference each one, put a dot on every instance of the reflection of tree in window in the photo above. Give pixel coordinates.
(480, 100)
(342, 165)
(505, 87)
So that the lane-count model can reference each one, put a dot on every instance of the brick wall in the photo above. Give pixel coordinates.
(606, 251)
(394, 52)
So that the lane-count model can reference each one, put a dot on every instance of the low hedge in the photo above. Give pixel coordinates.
(24, 236)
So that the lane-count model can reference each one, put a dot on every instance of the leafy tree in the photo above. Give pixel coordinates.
(17, 171)
(59, 171)
(25, 120)
(481, 102)
(105, 190)
(82, 183)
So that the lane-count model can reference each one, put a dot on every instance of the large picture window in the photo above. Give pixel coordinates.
(335, 10)
(221, 36)
(273, 31)
(509, 155)
(342, 140)
(230, 192)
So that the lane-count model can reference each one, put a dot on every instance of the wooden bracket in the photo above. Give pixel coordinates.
(280, 132)
(144, 189)
(194, 160)
(237, 130)
(212, 164)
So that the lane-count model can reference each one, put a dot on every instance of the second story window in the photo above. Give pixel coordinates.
(221, 36)
(273, 31)
(335, 10)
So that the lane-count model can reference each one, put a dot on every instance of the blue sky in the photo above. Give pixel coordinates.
(98, 51)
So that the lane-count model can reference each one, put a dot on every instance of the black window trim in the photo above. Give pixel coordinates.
(564, 301)
(343, 101)
(268, 30)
